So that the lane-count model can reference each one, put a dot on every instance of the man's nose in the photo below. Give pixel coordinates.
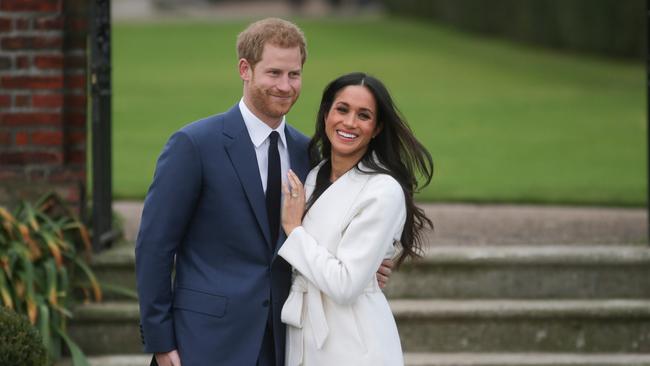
(283, 84)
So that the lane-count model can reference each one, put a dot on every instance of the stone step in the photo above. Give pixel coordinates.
(526, 272)
(107, 328)
(488, 224)
(446, 359)
(582, 326)
(116, 267)
(489, 272)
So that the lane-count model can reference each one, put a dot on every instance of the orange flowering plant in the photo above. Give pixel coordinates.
(44, 254)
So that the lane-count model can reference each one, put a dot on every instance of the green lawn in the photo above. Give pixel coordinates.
(504, 122)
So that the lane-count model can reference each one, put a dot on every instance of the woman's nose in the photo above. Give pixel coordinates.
(349, 120)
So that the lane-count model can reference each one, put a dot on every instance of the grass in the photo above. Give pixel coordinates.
(504, 122)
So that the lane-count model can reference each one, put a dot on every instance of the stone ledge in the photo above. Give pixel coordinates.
(411, 309)
(530, 309)
(124, 254)
(525, 359)
(107, 312)
(543, 254)
(448, 359)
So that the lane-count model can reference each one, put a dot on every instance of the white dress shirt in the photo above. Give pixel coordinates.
(259, 133)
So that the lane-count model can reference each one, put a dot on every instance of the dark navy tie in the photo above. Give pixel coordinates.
(273, 182)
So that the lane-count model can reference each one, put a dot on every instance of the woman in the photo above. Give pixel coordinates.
(360, 203)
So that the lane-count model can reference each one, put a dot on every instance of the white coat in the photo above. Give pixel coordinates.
(336, 313)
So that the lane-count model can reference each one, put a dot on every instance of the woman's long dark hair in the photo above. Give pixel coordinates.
(398, 154)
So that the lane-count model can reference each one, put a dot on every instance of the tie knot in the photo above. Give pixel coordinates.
(274, 137)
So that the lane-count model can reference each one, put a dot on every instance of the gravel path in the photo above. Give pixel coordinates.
(463, 224)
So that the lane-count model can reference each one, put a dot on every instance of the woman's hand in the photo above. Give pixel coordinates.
(293, 206)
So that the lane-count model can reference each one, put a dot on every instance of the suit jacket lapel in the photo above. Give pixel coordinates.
(241, 152)
(298, 158)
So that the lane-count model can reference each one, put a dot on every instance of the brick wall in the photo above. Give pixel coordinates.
(43, 98)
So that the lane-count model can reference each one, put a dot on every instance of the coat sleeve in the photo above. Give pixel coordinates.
(168, 208)
(378, 218)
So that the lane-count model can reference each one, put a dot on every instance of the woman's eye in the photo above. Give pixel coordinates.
(341, 110)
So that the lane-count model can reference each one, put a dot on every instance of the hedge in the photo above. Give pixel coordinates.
(607, 27)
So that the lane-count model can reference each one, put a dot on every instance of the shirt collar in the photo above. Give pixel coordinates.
(257, 129)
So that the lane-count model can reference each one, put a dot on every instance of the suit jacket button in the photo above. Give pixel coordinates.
(265, 303)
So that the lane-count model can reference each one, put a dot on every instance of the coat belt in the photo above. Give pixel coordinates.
(302, 290)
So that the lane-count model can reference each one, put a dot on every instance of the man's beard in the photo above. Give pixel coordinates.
(262, 101)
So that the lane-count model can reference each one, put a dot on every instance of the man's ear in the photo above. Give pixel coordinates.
(245, 69)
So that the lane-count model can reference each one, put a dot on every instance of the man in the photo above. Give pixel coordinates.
(212, 213)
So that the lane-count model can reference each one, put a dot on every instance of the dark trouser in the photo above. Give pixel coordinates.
(267, 352)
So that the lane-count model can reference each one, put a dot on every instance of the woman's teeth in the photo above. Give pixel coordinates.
(346, 135)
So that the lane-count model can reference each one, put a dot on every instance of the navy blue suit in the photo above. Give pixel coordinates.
(206, 209)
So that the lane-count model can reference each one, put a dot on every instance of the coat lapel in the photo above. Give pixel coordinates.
(336, 200)
(241, 152)
(339, 197)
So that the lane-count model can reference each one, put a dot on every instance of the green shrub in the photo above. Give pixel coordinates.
(20, 343)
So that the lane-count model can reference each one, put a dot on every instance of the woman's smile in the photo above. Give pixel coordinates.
(346, 135)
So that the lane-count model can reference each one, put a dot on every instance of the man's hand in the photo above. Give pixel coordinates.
(384, 271)
(170, 358)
